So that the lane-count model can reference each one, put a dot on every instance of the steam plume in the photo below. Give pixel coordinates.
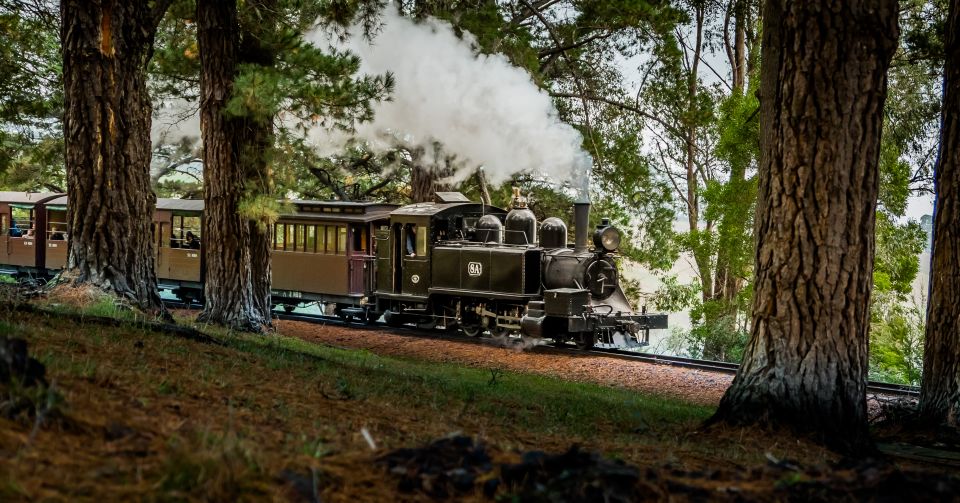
(480, 108)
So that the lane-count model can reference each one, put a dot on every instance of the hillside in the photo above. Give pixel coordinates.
(135, 413)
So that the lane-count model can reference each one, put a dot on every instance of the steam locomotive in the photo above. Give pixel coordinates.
(458, 263)
(451, 262)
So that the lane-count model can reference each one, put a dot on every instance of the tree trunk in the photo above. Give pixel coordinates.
(106, 46)
(257, 141)
(732, 228)
(229, 285)
(823, 85)
(739, 63)
(425, 182)
(940, 388)
(700, 255)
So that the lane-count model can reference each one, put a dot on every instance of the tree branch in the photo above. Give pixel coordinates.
(576, 78)
(556, 50)
(625, 106)
(328, 181)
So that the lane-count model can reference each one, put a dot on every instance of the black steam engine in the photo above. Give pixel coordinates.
(462, 264)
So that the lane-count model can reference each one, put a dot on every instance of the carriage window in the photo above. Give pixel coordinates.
(302, 238)
(296, 239)
(21, 222)
(57, 225)
(185, 232)
(341, 240)
(311, 240)
(331, 244)
(279, 232)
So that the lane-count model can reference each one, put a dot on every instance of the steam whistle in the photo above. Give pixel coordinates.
(518, 201)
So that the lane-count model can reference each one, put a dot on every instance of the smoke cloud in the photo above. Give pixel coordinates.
(479, 108)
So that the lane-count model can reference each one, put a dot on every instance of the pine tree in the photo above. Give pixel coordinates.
(106, 47)
(823, 85)
(940, 388)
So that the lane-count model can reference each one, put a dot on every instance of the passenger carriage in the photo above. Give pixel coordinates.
(24, 225)
(324, 252)
(179, 263)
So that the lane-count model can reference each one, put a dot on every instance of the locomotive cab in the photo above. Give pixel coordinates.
(419, 255)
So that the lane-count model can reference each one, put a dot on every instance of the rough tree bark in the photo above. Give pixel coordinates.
(106, 46)
(229, 285)
(940, 389)
(823, 85)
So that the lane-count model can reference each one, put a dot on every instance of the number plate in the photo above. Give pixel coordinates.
(474, 268)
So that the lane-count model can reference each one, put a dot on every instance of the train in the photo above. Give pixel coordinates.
(451, 263)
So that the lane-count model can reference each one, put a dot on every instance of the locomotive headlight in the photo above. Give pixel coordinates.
(607, 238)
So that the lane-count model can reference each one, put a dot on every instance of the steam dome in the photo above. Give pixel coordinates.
(553, 233)
(489, 229)
(521, 223)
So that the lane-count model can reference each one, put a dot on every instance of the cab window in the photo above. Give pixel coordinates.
(422, 240)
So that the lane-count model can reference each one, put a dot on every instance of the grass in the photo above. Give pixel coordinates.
(251, 417)
(219, 422)
(533, 402)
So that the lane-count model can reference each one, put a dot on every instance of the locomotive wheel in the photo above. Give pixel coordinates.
(586, 340)
(427, 325)
(471, 330)
(392, 319)
(500, 332)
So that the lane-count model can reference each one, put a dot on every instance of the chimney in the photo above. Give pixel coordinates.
(581, 217)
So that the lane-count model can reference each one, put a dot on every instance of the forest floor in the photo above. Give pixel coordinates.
(135, 413)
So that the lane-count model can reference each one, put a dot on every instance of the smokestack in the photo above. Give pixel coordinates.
(581, 218)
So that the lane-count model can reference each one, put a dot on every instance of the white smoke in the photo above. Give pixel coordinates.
(479, 107)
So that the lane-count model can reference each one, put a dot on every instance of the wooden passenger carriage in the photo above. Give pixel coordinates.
(179, 265)
(23, 236)
(324, 251)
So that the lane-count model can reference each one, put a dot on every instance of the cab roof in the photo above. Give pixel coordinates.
(439, 209)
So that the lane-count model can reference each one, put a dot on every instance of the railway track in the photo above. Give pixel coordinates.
(875, 387)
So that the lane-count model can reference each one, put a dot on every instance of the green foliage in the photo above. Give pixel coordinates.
(264, 209)
(674, 296)
(315, 87)
(31, 97)
(630, 193)
(896, 340)
(896, 263)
